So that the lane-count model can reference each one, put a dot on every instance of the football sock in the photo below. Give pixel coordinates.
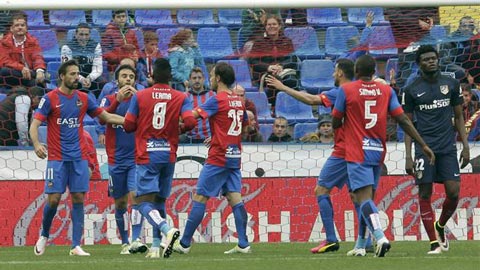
(371, 218)
(153, 216)
(448, 208)
(326, 214)
(78, 217)
(156, 240)
(241, 218)
(362, 229)
(121, 218)
(48, 215)
(194, 219)
(426, 213)
(137, 222)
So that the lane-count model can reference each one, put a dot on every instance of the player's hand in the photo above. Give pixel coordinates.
(429, 153)
(464, 157)
(409, 167)
(207, 142)
(274, 82)
(40, 150)
(26, 73)
(101, 139)
(86, 83)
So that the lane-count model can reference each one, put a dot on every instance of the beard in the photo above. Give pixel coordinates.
(72, 86)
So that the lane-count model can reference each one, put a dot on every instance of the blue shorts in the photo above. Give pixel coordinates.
(360, 175)
(155, 178)
(333, 173)
(60, 174)
(214, 181)
(122, 179)
(445, 168)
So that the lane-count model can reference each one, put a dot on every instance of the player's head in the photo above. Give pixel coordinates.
(162, 71)
(427, 59)
(222, 73)
(197, 80)
(280, 126)
(68, 74)
(343, 71)
(125, 75)
(365, 67)
(119, 17)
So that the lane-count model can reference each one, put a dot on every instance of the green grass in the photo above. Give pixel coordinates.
(463, 255)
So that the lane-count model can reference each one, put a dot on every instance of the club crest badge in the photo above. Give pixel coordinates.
(444, 89)
(419, 174)
(79, 103)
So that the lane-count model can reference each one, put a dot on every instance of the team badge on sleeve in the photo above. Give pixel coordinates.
(444, 89)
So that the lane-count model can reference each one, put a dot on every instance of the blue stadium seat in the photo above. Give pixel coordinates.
(305, 42)
(292, 109)
(231, 18)
(438, 32)
(52, 70)
(316, 75)
(90, 128)
(400, 134)
(242, 74)
(325, 17)
(164, 36)
(356, 16)
(66, 18)
(241, 40)
(2, 96)
(139, 35)
(300, 129)
(196, 18)
(391, 63)
(153, 18)
(35, 19)
(94, 34)
(382, 43)
(324, 110)
(336, 39)
(264, 114)
(49, 44)
(266, 130)
(214, 43)
(101, 18)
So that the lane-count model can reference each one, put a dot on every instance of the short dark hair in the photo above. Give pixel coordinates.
(196, 70)
(347, 66)
(62, 70)
(162, 71)
(83, 25)
(122, 67)
(116, 12)
(19, 15)
(424, 49)
(365, 66)
(226, 73)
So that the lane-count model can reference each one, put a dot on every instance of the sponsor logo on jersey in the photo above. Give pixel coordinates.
(436, 104)
(72, 122)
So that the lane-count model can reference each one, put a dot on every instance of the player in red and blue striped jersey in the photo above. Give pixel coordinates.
(363, 106)
(64, 109)
(120, 148)
(221, 172)
(154, 114)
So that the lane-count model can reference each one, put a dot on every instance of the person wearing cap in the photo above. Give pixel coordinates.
(324, 132)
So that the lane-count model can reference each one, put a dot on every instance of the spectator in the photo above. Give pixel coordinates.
(359, 45)
(324, 133)
(249, 105)
(119, 40)
(148, 56)
(280, 134)
(183, 55)
(15, 115)
(252, 134)
(88, 54)
(21, 55)
(198, 94)
(298, 16)
(253, 25)
(471, 113)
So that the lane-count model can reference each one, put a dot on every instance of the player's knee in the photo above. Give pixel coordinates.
(319, 190)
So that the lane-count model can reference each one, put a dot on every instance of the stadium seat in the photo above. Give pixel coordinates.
(196, 18)
(242, 74)
(214, 43)
(153, 18)
(316, 75)
(230, 18)
(94, 34)
(300, 129)
(49, 44)
(101, 18)
(66, 18)
(36, 20)
(264, 115)
(241, 40)
(292, 109)
(356, 16)
(438, 32)
(336, 39)
(52, 71)
(382, 43)
(2, 96)
(266, 130)
(305, 42)
(325, 17)
(324, 110)
(139, 35)
(164, 36)
(391, 63)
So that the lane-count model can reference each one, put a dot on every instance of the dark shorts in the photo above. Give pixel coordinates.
(445, 168)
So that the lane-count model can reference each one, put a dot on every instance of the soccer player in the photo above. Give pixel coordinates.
(363, 106)
(221, 172)
(120, 148)
(64, 109)
(433, 98)
(154, 113)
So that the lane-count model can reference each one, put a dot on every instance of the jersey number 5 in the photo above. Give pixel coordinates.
(236, 126)
(158, 119)
(369, 115)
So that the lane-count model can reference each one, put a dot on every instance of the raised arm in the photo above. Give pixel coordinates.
(298, 95)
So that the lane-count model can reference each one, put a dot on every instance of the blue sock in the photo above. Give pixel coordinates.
(241, 218)
(163, 213)
(156, 241)
(362, 228)
(120, 219)
(194, 219)
(153, 216)
(48, 215)
(137, 222)
(77, 221)
(371, 218)
(326, 214)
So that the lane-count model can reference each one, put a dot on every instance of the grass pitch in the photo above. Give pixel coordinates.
(463, 255)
